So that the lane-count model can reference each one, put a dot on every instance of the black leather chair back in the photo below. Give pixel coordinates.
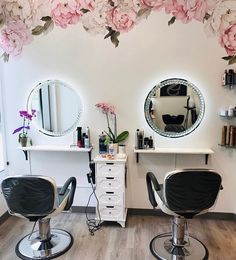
(191, 191)
(28, 195)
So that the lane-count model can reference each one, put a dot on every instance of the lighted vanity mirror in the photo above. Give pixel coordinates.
(58, 107)
(174, 107)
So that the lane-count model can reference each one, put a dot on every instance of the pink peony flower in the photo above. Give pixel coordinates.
(186, 10)
(222, 17)
(228, 40)
(14, 36)
(121, 19)
(65, 13)
(152, 4)
(95, 21)
(29, 11)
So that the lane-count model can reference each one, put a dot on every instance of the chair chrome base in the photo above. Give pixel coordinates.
(34, 248)
(162, 248)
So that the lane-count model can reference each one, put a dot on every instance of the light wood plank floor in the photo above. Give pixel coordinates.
(112, 242)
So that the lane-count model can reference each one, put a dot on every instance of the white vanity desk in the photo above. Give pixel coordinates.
(205, 151)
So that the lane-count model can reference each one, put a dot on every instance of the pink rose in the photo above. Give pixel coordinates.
(14, 36)
(65, 13)
(152, 4)
(121, 19)
(228, 40)
(186, 10)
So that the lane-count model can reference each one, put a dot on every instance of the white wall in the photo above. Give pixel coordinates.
(123, 76)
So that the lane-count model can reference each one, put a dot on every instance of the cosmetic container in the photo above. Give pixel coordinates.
(102, 146)
(79, 137)
(140, 140)
(150, 143)
(86, 142)
(223, 135)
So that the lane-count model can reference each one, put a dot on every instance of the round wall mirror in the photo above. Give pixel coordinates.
(58, 107)
(174, 107)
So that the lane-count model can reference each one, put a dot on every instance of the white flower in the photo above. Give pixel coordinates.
(223, 16)
(95, 21)
(28, 11)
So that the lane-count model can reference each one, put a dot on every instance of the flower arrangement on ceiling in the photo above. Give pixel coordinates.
(22, 20)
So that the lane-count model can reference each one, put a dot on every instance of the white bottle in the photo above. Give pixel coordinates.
(88, 136)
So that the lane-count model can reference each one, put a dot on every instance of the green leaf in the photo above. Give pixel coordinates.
(110, 32)
(114, 38)
(38, 30)
(47, 25)
(144, 12)
(172, 20)
(109, 136)
(84, 11)
(232, 60)
(46, 18)
(122, 137)
(227, 57)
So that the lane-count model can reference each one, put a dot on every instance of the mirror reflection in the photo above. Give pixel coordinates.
(174, 107)
(57, 106)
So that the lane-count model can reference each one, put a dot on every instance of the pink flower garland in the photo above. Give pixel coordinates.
(19, 19)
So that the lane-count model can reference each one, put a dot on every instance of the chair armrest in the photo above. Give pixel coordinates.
(71, 181)
(152, 183)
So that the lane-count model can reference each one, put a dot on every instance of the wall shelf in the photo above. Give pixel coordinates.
(227, 117)
(205, 151)
(227, 146)
(55, 148)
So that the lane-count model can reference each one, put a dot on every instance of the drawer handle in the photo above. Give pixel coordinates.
(110, 163)
(109, 192)
(110, 178)
(110, 207)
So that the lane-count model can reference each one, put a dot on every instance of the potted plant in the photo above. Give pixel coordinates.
(27, 118)
(112, 138)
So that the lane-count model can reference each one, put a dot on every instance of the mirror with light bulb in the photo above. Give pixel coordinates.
(174, 107)
(58, 107)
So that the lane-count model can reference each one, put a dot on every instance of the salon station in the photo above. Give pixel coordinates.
(117, 130)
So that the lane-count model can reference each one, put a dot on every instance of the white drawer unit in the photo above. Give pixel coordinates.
(110, 189)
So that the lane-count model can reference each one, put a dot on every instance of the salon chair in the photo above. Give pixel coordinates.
(183, 195)
(37, 198)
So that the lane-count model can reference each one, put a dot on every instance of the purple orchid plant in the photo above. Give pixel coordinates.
(27, 118)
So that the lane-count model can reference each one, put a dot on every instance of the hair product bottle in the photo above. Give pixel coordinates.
(79, 137)
(223, 135)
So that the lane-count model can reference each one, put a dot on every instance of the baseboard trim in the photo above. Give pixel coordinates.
(4, 217)
(158, 212)
(81, 209)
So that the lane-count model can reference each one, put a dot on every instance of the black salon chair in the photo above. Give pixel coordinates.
(37, 198)
(184, 194)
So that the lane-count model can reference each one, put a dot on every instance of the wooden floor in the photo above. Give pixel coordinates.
(112, 242)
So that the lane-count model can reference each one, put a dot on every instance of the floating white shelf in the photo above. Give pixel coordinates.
(205, 151)
(55, 148)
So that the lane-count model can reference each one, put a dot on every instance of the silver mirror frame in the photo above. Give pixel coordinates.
(153, 92)
(46, 132)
